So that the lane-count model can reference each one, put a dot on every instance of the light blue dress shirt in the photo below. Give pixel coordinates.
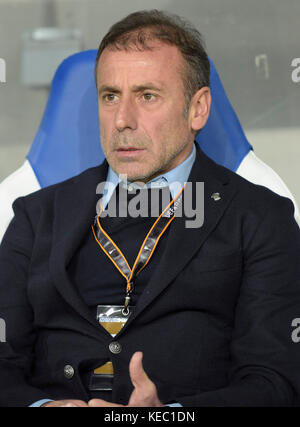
(175, 179)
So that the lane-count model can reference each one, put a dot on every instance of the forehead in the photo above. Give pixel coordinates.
(163, 62)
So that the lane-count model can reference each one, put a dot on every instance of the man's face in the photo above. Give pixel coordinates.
(141, 99)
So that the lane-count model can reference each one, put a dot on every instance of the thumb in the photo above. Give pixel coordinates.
(138, 376)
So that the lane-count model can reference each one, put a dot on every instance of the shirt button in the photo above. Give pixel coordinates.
(115, 347)
(69, 372)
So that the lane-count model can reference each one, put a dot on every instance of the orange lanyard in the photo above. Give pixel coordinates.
(146, 251)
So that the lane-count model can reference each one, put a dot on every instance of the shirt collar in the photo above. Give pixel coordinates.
(175, 179)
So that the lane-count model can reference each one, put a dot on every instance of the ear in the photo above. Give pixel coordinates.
(199, 108)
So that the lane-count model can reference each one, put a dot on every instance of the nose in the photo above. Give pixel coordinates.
(126, 115)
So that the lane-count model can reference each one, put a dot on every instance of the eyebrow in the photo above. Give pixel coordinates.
(135, 88)
(110, 89)
(146, 86)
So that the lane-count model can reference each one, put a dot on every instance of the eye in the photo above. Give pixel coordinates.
(149, 97)
(109, 97)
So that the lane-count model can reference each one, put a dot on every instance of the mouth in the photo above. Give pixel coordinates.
(129, 151)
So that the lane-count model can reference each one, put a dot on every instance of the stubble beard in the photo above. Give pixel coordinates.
(160, 165)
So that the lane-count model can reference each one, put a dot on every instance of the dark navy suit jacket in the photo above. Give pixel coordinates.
(214, 321)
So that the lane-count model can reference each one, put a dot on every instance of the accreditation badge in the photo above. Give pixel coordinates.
(112, 318)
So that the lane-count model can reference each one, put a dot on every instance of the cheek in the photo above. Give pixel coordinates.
(106, 127)
(157, 126)
(166, 132)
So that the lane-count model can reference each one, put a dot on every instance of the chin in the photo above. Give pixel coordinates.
(136, 178)
(132, 176)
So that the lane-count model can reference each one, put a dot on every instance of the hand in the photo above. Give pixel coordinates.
(144, 393)
(65, 404)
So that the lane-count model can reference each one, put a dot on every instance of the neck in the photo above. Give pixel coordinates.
(170, 166)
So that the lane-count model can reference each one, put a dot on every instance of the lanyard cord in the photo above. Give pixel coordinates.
(145, 253)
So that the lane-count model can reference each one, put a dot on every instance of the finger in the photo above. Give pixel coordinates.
(138, 376)
(79, 403)
(98, 403)
(69, 405)
(65, 404)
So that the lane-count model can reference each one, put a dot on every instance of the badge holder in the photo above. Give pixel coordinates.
(112, 319)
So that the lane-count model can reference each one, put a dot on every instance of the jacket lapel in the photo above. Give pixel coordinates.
(75, 210)
(184, 242)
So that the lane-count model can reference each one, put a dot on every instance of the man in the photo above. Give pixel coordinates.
(210, 309)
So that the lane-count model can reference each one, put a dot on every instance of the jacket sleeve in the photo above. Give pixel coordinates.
(265, 360)
(17, 352)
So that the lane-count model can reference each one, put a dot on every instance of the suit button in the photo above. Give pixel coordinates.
(115, 347)
(69, 372)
